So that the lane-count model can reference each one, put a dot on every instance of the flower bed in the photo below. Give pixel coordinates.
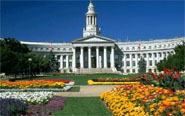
(12, 107)
(91, 82)
(169, 79)
(29, 97)
(30, 103)
(55, 104)
(135, 79)
(144, 100)
(37, 85)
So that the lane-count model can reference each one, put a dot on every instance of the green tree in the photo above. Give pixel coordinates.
(142, 65)
(14, 59)
(53, 62)
(176, 61)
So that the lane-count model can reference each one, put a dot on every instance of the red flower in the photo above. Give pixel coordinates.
(170, 113)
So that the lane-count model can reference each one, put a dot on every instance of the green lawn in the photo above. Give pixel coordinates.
(83, 106)
(82, 79)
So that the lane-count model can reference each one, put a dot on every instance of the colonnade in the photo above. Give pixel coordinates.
(112, 65)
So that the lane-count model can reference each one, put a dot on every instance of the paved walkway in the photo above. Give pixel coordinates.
(87, 91)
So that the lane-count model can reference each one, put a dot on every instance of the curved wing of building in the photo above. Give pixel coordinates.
(94, 53)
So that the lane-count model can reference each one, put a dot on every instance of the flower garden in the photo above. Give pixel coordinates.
(37, 85)
(34, 97)
(158, 95)
(144, 95)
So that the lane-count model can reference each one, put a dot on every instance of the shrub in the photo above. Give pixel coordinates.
(12, 107)
(169, 79)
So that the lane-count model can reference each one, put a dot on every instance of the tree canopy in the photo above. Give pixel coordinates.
(175, 61)
(14, 58)
(142, 65)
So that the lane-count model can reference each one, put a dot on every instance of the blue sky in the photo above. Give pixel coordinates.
(63, 21)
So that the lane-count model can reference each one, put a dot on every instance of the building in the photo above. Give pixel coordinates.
(94, 53)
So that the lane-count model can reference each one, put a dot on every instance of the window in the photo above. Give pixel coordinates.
(41, 48)
(155, 61)
(64, 57)
(160, 55)
(155, 55)
(64, 64)
(150, 55)
(128, 71)
(150, 62)
(133, 70)
(64, 49)
(133, 55)
(133, 63)
(144, 55)
(139, 55)
(150, 70)
(133, 48)
(128, 56)
(128, 63)
(127, 48)
(58, 48)
(58, 57)
(144, 47)
(150, 47)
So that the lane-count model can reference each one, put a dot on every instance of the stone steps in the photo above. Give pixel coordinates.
(95, 70)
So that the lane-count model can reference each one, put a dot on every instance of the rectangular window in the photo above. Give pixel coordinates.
(128, 56)
(150, 55)
(150, 62)
(128, 71)
(128, 63)
(133, 55)
(133, 63)
(133, 70)
(139, 55)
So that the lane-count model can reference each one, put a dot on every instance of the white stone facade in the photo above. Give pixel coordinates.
(94, 53)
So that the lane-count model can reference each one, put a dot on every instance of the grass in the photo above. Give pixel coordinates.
(83, 106)
(82, 79)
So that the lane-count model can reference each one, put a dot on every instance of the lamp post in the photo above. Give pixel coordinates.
(30, 60)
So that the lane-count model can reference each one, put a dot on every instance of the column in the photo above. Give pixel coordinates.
(162, 55)
(86, 20)
(157, 56)
(147, 60)
(89, 20)
(153, 60)
(125, 65)
(105, 57)
(136, 62)
(92, 20)
(89, 57)
(67, 61)
(112, 57)
(61, 62)
(97, 57)
(131, 63)
(95, 21)
(74, 58)
(81, 58)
